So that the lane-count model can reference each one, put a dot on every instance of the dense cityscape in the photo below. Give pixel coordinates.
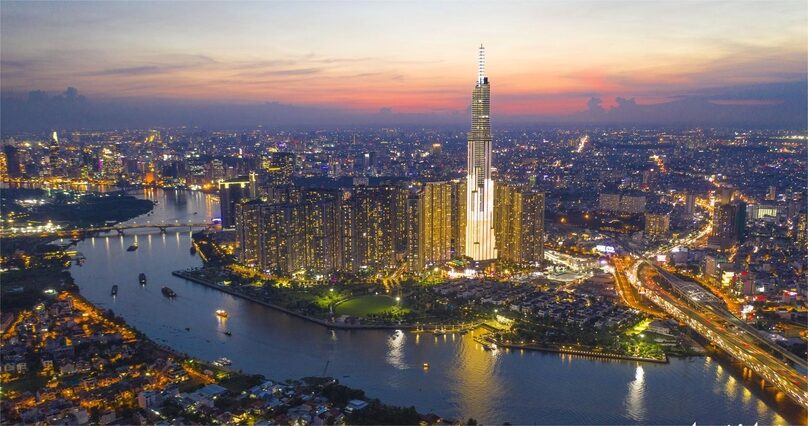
(403, 273)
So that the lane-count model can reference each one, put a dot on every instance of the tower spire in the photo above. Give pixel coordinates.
(481, 66)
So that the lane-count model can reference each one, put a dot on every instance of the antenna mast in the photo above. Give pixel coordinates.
(481, 66)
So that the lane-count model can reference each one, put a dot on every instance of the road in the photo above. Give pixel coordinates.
(628, 294)
(722, 329)
(715, 308)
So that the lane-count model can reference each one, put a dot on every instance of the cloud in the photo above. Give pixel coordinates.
(145, 69)
(294, 71)
(594, 105)
(774, 105)
(176, 63)
(746, 106)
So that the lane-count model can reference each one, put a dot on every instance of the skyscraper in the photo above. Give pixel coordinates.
(729, 223)
(231, 192)
(480, 244)
(53, 155)
(12, 161)
(690, 205)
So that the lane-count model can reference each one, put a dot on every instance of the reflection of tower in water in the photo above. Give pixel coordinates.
(482, 390)
(635, 399)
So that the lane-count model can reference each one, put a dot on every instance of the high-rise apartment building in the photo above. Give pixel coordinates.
(729, 223)
(800, 229)
(379, 226)
(690, 205)
(12, 161)
(233, 191)
(414, 255)
(249, 224)
(519, 223)
(507, 221)
(532, 227)
(622, 203)
(279, 168)
(286, 238)
(480, 240)
(459, 217)
(657, 224)
(771, 194)
(435, 224)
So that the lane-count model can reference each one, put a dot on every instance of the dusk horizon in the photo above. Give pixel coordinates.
(310, 213)
(374, 63)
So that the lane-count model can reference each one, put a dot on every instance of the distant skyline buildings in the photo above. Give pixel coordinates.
(209, 65)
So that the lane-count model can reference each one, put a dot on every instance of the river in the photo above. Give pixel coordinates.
(463, 379)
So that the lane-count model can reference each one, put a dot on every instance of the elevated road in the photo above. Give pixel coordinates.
(699, 311)
(714, 306)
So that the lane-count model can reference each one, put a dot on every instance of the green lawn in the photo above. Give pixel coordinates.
(366, 305)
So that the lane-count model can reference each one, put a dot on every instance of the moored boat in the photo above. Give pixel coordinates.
(222, 362)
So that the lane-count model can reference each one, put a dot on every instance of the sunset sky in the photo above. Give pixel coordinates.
(543, 57)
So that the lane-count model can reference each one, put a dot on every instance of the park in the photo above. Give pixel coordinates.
(364, 306)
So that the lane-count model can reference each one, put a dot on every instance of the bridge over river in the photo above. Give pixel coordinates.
(121, 229)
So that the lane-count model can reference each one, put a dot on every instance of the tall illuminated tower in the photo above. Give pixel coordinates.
(480, 244)
(53, 155)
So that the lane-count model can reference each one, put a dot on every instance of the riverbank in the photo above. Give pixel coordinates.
(580, 352)
(410, 327)
(154, 384)
(330, 324)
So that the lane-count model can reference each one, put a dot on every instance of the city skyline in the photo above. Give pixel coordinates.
(293, 213)
(646, 62)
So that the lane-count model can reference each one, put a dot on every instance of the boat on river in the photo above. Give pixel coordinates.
(114, 291)
(222, 362)
(133, 247)
(142, 278)
(167, 292)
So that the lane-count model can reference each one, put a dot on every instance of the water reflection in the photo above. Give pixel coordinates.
(635, 400)
(481, 389)
(731, 388)
(395, 350)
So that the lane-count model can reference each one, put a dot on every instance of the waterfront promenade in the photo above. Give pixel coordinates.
(414, 328)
